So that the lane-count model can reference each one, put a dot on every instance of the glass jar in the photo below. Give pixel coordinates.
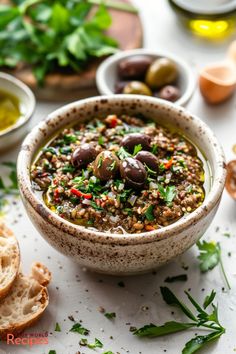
(212, 19)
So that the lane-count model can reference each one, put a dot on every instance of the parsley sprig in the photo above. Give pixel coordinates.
(202, 318)
(210, 256)
(58, 34)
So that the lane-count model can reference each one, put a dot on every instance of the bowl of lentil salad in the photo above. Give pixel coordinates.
(121, 184)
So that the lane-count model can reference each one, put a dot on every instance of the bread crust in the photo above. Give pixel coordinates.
(9, 259)
(27, 300)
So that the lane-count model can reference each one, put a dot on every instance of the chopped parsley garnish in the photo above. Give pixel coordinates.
(52, 352)
(100, 161)
(110, 315)
(122, 153)
(210, 256)
(137, 148)
(69, 138)
(65, 150)
(154, 149)
(57, 327)
(149, 213)
(50, 149)
(100, 140)
(167, 194)
(181, 277)
(68, 169)
(203, 319)
(95, 206)
(78, 328)
(112, 166)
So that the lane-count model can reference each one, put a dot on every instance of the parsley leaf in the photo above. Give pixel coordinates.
(168, 193)
(110, 315)
(149, 213)
(122, 153)
(137, 148)
(210, 256)
(97, 343)
(201, 319)
(57, 327)
(78, 328)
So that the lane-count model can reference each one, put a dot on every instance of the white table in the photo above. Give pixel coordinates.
(79, 293)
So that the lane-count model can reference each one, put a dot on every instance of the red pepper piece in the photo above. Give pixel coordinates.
(168, 164)
(81, 194)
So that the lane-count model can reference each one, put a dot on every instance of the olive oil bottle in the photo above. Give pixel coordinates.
(211, 19)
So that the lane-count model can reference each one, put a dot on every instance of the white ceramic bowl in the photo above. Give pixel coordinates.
(16, 132)
(116, 253)
(106, 75)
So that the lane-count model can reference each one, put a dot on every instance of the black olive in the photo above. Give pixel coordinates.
(134, 67)
(106, 165)
(131, 140)
(83, 155)
(133, 172)
(147, 158)
(169, 93)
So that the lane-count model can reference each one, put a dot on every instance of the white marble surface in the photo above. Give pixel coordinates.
(79, 293)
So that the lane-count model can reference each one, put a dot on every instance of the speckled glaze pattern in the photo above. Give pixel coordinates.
(115, 253)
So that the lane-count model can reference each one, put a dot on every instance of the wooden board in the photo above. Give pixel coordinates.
(126, 29)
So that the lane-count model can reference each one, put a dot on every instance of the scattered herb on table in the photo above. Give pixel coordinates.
(57, 327)
(202, 319)
(78, 328)
(97, 343)
(210, 256)
(110, 315)
(181, 277)
(12, 187)
(58, 34)
(52, 352)
(227, 234)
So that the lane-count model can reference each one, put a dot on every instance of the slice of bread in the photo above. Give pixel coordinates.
(9, 259)
(26, 302)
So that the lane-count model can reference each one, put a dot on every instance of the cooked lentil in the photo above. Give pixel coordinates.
(112, 191)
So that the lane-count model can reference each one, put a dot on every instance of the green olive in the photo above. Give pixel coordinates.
(161, 72)
(137, 88)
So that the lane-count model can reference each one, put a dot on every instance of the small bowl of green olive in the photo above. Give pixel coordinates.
(17, 104)
(147, 72)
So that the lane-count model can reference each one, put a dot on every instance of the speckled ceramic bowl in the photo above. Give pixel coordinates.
(115, 253)
(13, 134)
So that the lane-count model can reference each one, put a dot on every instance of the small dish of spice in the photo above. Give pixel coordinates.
(148, 73)
(17, 105)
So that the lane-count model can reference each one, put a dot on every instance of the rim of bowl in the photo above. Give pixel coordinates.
(25, 160)
(29, 109)
(101, 80)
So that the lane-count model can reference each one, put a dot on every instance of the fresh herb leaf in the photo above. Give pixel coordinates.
(96, 344)
(100, 140)
(210, 256)
(181, 277)
(122, 153)
(168, 193)
(200, 341)
(202, 319)
(63, 34)
(50, 149)
(154, 149)
(109, 352)
(137, 148)
(95, 206)
(110, 315)
(78, 328)
(68, 169)
(157, 331)
(52, 352)
(171, 299)
(100, 161)
(209, 299)
(149, 213)
(57, 327)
